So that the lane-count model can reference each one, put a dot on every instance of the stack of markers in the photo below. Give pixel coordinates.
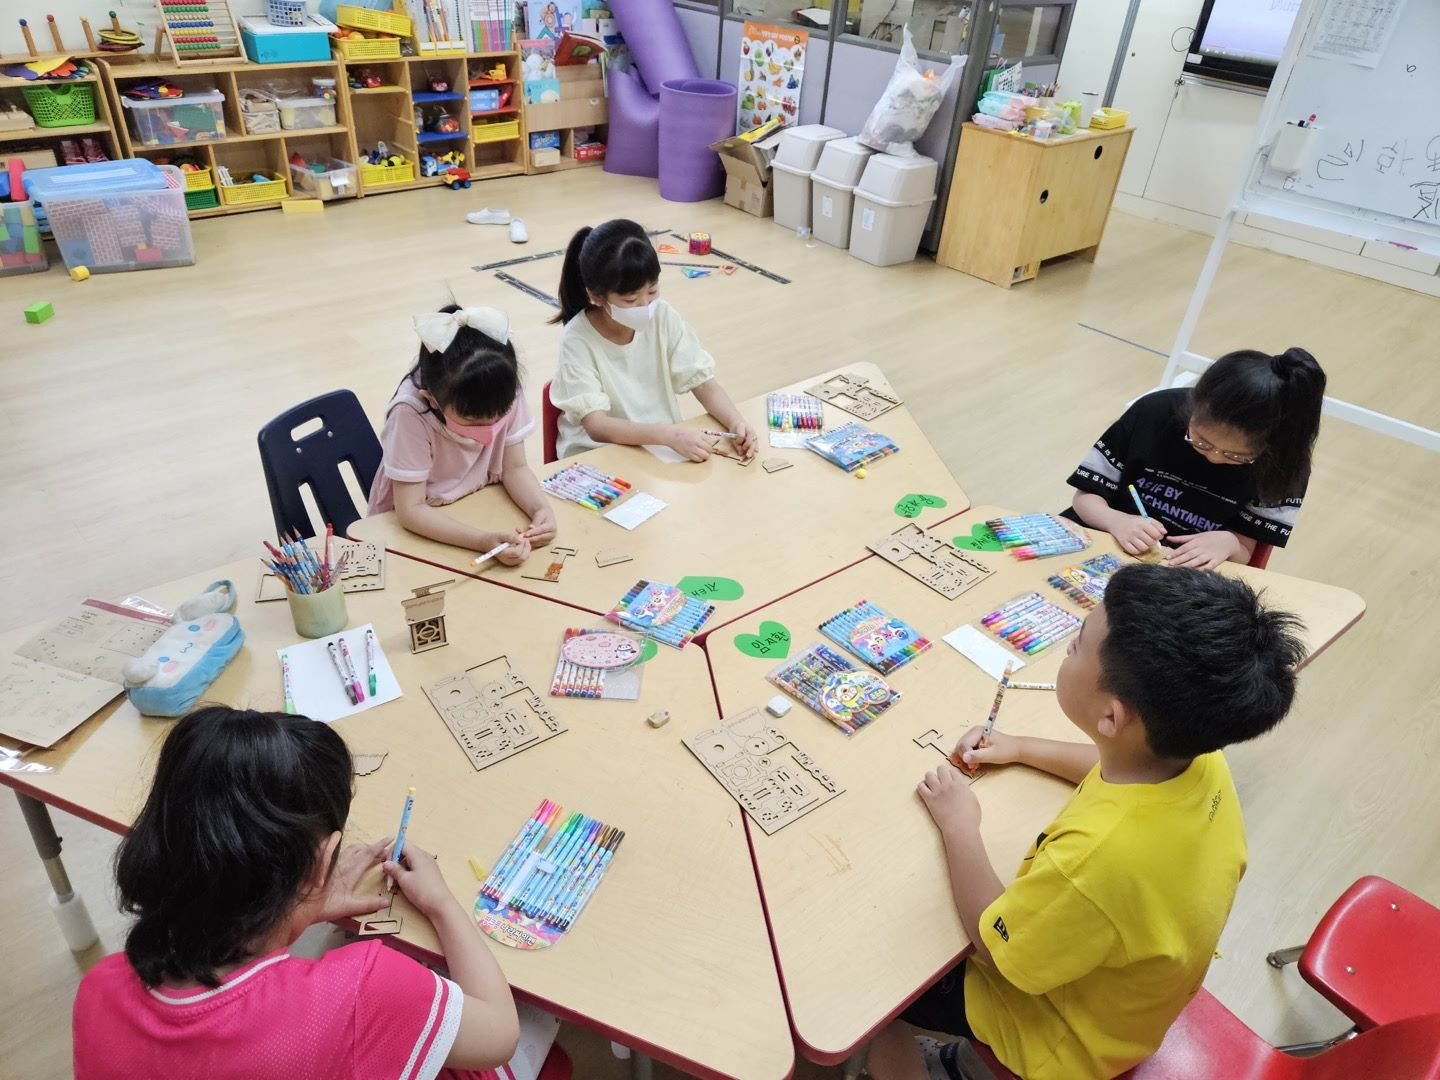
(795, 412)
(296, 565)
(853, 446)
(1030, 624)
(1085, 584)
(661, 611)
(587, 486)
(1034, 536)
(834, 687)
(882, 641)
(545, 877)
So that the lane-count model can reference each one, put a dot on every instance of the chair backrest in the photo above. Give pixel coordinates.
(1376, 954)
(549, 425)
(1261, 555)
(1405, 1050)
(289, 463)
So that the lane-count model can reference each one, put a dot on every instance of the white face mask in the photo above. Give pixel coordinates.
(634, 318)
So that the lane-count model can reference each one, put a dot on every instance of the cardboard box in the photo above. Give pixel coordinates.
(747, 173)
(582, 101)
(544, 158)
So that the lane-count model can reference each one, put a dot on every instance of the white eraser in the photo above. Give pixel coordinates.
(778, 705)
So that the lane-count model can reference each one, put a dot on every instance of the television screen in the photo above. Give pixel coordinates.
(1241, 40)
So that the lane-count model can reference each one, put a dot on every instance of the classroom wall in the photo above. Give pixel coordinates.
(702, 31)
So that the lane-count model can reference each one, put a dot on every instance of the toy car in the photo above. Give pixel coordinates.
(456, 179)
(364, 79)
(439, 86)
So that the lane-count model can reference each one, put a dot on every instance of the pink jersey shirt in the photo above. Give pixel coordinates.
(361, 1011)
(420, 448)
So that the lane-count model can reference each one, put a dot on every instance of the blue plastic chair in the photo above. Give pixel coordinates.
(344, 434)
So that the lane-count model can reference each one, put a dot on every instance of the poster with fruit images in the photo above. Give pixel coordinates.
(772, 67)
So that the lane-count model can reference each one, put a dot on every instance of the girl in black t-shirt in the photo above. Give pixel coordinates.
(1220, 467)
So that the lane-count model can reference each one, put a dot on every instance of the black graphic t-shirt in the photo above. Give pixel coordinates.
(1184, 492)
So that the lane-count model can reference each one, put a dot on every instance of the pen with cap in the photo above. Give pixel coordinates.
(351, 672)
(370, 658)
(345, 680)
(399, 848)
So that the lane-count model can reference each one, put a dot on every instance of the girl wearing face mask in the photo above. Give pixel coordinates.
(626, 356)
(458, 422)
(1220, 467)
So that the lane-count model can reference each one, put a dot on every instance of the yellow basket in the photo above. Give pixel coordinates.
(368, 48)
(380, 175)
(387, 22)
(238, 194)
(508, 129)
(1108, 119)
(199, 180)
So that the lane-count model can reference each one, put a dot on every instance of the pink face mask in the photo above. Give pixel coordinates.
(484, 434)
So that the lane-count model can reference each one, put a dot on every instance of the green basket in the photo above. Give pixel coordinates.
(61, 106)
(201, 199)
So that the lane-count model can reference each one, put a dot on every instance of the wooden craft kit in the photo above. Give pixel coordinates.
(931, 560)
(492, 712)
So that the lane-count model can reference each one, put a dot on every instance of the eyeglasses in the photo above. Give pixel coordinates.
(1206, 448)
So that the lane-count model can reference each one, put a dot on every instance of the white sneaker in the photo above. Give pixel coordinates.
(930, 1050)
(518, 235)
(488, 217)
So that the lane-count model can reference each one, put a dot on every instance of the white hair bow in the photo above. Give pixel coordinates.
(438, 329)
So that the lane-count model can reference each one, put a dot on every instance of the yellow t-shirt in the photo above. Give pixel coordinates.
(1108, 929)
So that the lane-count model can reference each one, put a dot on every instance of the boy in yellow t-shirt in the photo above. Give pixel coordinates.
(1084, 961)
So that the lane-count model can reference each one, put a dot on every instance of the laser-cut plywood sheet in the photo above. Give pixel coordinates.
(931, 560)
(773, 780)
(855, 395)
(492, 712)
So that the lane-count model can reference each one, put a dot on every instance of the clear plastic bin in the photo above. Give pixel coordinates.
(301, 114)
(336, 182)
(116, 215)
(194, 118)
(21, 250)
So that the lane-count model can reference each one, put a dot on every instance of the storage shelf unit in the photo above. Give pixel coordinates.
(103, 129)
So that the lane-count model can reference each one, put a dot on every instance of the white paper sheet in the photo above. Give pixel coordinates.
(636, 510)
(316, 686)
(1356, 30)
(986, 654)
(664, 453)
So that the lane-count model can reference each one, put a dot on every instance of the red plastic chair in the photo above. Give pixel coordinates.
(549, 426)
(1375, 954)
(1209, 1042)
(1260, 556)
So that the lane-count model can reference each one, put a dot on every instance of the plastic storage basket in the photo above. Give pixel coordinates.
(381, 175)
(301, 114)
(175, 121)
(198, 179)
(369, 48)
(21, 251)
(116, 215)
(71, 105)
(497, 131)
(201, 199)
(286, 12)
(240, 194)
(386, 22)
(336, 182)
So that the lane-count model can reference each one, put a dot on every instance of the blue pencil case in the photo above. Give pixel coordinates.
(175, 672)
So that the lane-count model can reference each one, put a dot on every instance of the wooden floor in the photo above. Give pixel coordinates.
(127, 437)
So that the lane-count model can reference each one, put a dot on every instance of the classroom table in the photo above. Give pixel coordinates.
(771, 532)
(856, 891)
(670, 957)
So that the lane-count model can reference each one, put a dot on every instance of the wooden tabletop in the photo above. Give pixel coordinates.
(771, 532)
(857, 893)
(671, 956)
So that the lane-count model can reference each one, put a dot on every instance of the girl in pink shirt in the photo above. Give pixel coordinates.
(236, 851)
(458, 422)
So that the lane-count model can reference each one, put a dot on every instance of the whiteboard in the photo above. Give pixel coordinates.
(1374, 171)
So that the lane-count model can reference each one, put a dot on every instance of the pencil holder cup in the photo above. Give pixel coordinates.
(1294, 148)
(318, 614)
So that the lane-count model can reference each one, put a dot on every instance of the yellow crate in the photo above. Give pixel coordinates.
(508, 129)
(380, 175)
(237, 194)
(387, 22)
(368, 48)
(200, 180)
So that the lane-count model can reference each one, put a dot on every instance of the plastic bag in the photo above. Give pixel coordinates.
(909, 102)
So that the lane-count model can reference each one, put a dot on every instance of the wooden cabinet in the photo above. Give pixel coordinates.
(1015, 202)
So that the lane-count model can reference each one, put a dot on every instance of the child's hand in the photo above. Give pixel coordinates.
(542, 527)
(949, 799)
(999, 749)
(419, 878)
(688, 442)
(1204, 551)
(517, 552)
(1137, 535)
(745, 440)
(354, 862)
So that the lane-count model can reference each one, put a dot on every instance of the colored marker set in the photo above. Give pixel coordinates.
(1036, 536)
(882, 641)
(545, 877)
(1030, 624)
(587, 486)
(1085, 584)
(852, 446)
(344, 664)
(834, 687)
(597, 664)
(296, 565)
(794, 412)
(662, 612)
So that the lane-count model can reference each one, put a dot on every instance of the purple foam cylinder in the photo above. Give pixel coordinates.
(693, 114)
(633, 145)
(656, 40)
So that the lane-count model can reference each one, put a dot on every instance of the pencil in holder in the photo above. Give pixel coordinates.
(318, 614)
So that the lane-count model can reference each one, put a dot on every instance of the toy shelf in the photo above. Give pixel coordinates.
(48, 138)
(425, 137)
(509, 110)
(430, 97)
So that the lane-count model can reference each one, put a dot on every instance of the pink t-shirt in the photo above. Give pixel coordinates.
(419, 447)
(361, 1011)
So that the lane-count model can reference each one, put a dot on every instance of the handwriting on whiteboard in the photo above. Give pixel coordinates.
(1401, 160)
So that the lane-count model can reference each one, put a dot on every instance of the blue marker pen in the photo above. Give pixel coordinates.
(400, 833)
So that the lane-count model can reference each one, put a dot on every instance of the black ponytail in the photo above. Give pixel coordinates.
(1275, 401)
(477, 377)
(228, 840)
(614, 257)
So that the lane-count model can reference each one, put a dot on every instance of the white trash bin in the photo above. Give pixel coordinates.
(795, 160)
(842, 163)
(892, 204)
